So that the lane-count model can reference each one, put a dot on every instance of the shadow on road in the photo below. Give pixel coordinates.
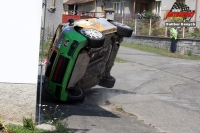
(52, 108)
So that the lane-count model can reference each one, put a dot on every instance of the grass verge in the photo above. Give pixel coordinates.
(45, 50)
(20, 129)
(119, 60)
(162, 52)
(29, 126)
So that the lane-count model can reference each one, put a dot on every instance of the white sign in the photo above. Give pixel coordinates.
(19, 40)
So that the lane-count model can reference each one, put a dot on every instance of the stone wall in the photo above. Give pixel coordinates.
(183, 45)
(17, 101)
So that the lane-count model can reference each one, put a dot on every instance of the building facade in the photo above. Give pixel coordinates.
(131, 7)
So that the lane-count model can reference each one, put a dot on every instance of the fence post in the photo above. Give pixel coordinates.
(184, 31)
(135, 26)
(150, 27)
(166, 28)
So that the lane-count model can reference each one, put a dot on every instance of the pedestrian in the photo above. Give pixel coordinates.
(173, 36)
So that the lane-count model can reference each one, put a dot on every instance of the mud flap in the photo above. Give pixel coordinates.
(107, 82)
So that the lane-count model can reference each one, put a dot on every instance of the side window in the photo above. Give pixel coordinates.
(118, 7)
(56, 35)
(158, 3)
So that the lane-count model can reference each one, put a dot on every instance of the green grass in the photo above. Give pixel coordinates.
(21, 129)
(120, 109)
(46, 48)
(119, 60)
(162, 52)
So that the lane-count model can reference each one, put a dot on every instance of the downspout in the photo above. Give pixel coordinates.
(195, 19)
(52, 9)
(44, 4)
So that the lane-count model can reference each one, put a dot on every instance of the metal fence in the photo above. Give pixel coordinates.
(152, 27)
(145, 27)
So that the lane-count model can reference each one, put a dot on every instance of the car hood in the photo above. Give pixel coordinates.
(100, 24)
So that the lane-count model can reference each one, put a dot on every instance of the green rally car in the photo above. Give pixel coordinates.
(81, 56)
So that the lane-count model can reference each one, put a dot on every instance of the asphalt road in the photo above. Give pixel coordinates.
(167, 90)
(152, 94)
(96, 114)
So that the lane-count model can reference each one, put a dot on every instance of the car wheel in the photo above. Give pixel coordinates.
(76, 95)
(95, 38)
(122, 29)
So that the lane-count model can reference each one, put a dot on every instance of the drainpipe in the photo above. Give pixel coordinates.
(52, 9)
(41, 66)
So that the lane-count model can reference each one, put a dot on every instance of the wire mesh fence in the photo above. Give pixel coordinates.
(156, 27)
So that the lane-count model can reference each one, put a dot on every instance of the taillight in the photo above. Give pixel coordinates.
(60, 69)
(57, 69)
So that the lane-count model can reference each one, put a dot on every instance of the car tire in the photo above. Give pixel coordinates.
(95, 38)
(76, 95)
(122, 29)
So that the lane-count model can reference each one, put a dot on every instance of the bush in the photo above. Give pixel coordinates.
(195, 33)
(158, 31)
(147, 15)
(143, 27)
(3, 129)
(175, 19)
(28, 123)
(189, 53)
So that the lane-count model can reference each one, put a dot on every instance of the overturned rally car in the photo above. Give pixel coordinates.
(81, 56)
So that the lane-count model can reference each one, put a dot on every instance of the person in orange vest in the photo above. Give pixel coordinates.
(173, 36)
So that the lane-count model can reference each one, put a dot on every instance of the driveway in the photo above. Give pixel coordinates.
(166, 90)
(152, 94)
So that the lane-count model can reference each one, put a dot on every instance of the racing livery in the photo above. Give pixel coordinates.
(81, 56)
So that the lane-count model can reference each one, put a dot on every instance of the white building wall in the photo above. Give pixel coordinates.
(192, 5)
(53, 19)
(166, 5)
(198, 13)
(19, 52)
(128, 7)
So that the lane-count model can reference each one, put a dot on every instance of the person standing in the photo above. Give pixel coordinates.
(173, 36)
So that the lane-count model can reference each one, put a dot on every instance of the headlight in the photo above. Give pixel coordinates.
(58, 45)
(59, 42)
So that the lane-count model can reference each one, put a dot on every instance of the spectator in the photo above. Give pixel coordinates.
(173, 36)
